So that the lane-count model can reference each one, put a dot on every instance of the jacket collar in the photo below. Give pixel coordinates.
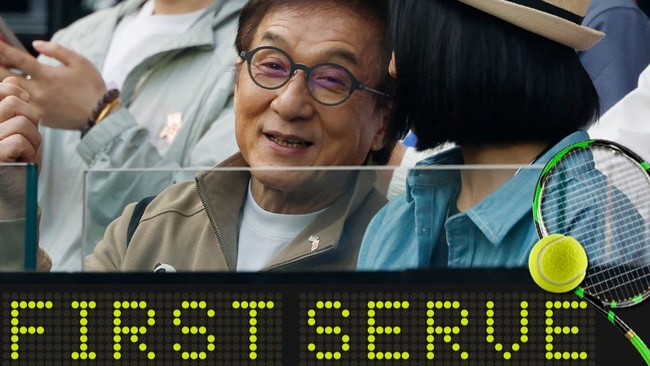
(328, 228)
(223, 192)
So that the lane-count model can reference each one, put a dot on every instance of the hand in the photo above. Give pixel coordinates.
(64, 95)
(20, 141)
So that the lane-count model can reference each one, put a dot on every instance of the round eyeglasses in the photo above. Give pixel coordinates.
(328, 83)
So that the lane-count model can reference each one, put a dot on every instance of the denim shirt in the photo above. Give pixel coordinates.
(499, 231)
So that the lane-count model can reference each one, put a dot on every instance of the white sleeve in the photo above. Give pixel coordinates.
(628, 121)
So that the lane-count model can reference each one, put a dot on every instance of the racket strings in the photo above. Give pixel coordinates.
(621, 287)
(601, 197)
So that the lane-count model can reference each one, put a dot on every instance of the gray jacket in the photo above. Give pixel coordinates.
(191, 76)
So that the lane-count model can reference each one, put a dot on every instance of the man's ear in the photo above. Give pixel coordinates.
(378, 141)
(392, 69)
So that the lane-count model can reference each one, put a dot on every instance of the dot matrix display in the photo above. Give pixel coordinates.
(134, 328)
(383, 328)
(114, 322)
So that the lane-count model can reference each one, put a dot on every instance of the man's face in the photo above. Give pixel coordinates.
(286, 126)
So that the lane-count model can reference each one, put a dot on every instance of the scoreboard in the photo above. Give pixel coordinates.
(442, 317)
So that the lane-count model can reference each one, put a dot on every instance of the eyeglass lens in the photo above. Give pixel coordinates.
(328, 83)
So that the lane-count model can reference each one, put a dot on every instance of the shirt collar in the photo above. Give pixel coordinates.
(498, 213)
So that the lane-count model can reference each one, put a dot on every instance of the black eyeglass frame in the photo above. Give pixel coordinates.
(354, 83)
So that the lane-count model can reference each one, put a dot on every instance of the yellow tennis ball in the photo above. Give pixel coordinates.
(557, 263)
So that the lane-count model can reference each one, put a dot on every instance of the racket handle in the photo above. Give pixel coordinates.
(641, 347)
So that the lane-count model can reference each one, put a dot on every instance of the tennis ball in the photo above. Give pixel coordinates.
(557, 263)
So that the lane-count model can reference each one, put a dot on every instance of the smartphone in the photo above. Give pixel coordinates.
(8, 36)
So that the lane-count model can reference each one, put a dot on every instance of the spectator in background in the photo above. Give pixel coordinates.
(616, 62)
(628, 121)
(171, 62)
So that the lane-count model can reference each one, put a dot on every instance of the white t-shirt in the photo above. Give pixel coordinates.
(263, 234)
(138, 36)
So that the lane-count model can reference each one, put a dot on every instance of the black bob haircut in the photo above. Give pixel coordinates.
(468, 77)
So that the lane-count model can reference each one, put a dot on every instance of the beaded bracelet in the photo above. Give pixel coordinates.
(104, 106)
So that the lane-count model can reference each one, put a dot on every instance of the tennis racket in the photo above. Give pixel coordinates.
(598, 192)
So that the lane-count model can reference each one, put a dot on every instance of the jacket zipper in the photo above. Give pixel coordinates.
(220, 237)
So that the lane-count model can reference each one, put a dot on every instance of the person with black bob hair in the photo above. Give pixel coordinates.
(501, 80)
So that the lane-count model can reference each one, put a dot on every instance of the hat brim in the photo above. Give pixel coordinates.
(546, 25)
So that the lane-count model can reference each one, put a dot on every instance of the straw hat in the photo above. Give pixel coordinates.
(558, 20)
